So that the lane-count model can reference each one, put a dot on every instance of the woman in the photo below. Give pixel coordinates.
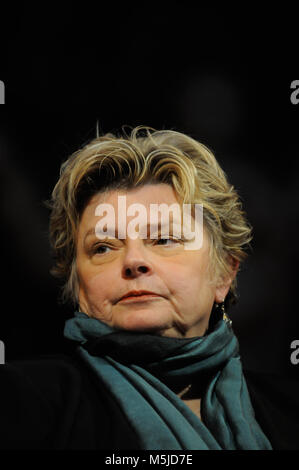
(154, 361)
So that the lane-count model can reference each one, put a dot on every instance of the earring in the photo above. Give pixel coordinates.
(225, 317)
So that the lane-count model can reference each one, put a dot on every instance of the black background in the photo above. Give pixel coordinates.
(222, 76)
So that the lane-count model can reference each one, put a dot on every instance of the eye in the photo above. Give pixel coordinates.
(167, 241)
(101, 249)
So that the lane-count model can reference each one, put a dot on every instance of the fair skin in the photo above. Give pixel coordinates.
(109, 269)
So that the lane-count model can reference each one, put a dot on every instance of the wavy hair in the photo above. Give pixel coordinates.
(146, 156)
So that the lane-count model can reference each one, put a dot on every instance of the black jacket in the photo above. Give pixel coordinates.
(52, 403)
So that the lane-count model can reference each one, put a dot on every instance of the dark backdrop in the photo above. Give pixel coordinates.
(221, 76)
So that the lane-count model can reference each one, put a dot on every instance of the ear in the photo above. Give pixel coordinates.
(224, 284)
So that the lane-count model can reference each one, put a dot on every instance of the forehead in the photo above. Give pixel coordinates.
(148, 194)
(145, 195)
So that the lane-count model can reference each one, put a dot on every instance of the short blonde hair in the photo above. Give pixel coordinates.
(146, 156)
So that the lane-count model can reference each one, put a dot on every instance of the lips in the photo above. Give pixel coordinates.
(138, 293)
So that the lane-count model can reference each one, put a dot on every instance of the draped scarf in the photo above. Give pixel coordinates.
(142, 371)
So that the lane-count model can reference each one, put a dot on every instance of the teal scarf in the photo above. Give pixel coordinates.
(141, 372)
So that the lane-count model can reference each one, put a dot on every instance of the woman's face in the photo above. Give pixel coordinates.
(182, 294)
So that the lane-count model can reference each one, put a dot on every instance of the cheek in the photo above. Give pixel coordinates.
(98, 297)
(96, 287)
(188, 281)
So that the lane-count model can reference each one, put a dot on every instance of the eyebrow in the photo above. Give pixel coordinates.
(154, 227)
(89, 232)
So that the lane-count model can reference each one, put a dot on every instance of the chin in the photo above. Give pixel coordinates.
(144, 320)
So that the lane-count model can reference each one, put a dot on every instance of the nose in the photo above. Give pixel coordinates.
(136, 263)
